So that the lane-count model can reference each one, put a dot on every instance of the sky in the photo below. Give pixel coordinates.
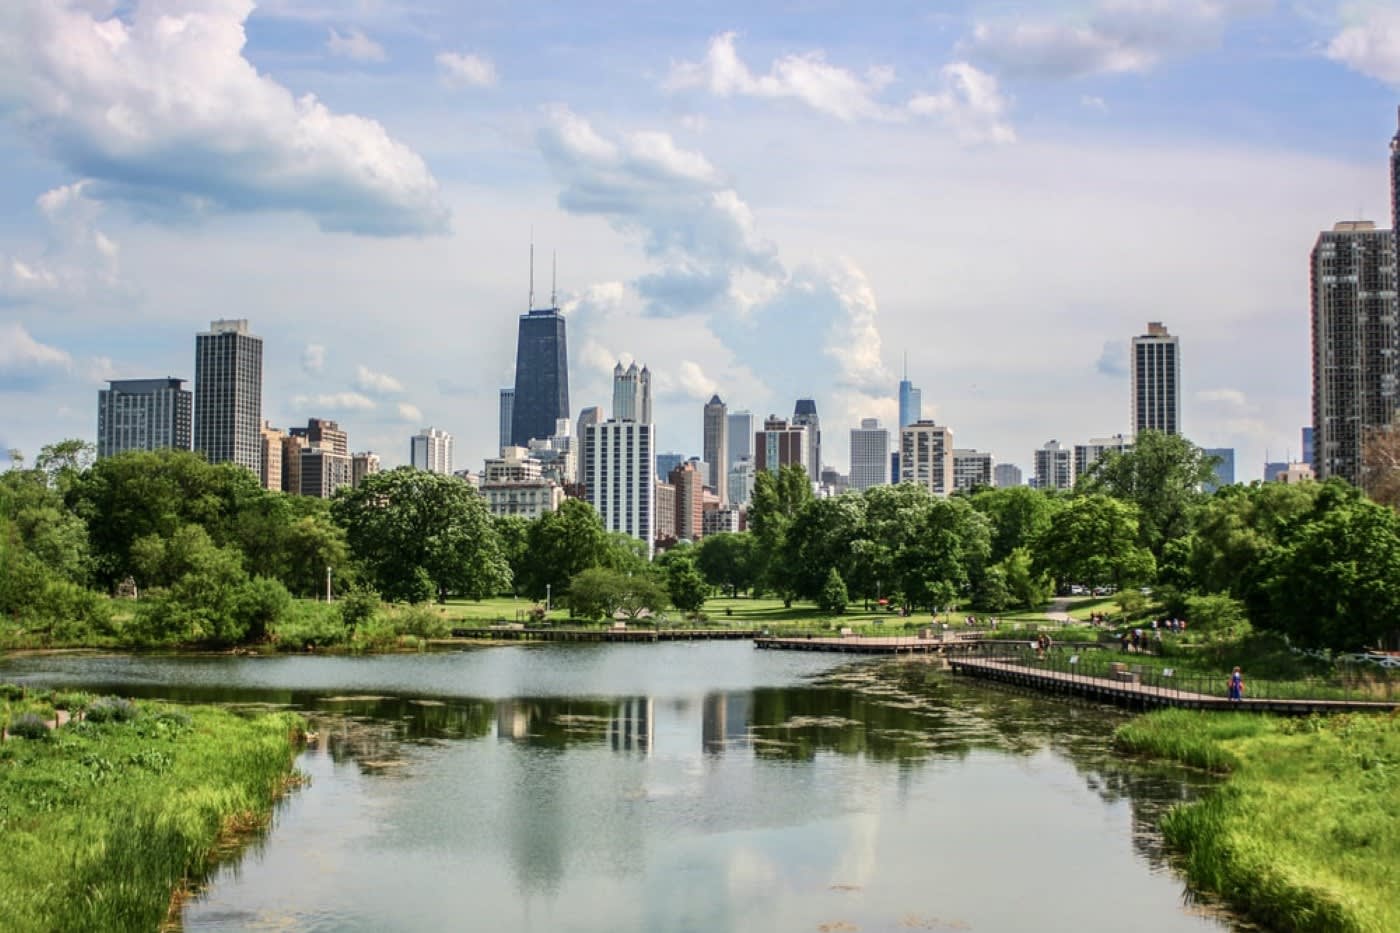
(765, 201)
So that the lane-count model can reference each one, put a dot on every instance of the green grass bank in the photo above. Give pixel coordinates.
(107, 820)
(1305, 832)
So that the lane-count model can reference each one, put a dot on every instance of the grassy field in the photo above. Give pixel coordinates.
(1305, 834)
(104, 822)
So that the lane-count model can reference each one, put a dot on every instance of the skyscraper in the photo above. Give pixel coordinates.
(272, 440)
(972, 469)
(1224, 467)
(431, 449)
(143, 414)
(740, 437)
(228, 394)
(780, 444)
(631, 393)
(590, 415)
(1006, 474)
(1309, 450)
(618, 476)
(1354, 343)
(870, 455)
(1054, 466)
(690, 516)
(805, 414)
(321, 432)
(716, 447)
(910, 399)
(1090, 453)
(541, 394)
(926, 456)
(507, 412)
(1156, 381)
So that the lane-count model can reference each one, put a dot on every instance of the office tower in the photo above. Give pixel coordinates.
(1395, 192)
(1273, 469)
(320, 432)
(667, 462)
(780, 444)
(690, 513)
(1354, 343)
(541, 394)
(741, 482)
(715, 447)
(894, 463)
(911, 405)
(805, 414)
(362, 465)
(271, 475)
(740, 435)
(631, 394)
(1006, 474)
(590, 415)
(292, 446)
(143, 414)
(1156, 381)
(228, 394)
(1224, 467)
(1054, 466)
(870, 455)
(926, 456)
(324, 470)
(507, 410)
(972, 469)
(618, 478)
(431, 449)
(665, 512)
(1088, 454)
(1308, 449)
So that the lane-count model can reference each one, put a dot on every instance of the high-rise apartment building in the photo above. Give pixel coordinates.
(618, 478)
(324, 470)
(541, 394)
(292, 446)
(1007, 474)
(1090, 453)
(665, 512)
(780, 444)
(1156, 381)
(631, 393)
(741, 432)
(1054, 466)
(926, 456)
(1354, 343)
(870, 455)
(143, 414)
(431, 449)
(805, 414)
(690, 501)
(668, 461)
(1224, 467)
(506, 413)
(972, 469)
(715, 446)
(272, 439)
(321, 432)
(911, 407)
(362, 465)
(228, 394)
(741, 482)
(590, 415)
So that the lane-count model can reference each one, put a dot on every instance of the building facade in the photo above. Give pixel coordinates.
(507, 412)
(228, 394)
(690, 501)
(911, 401)
(431, 449)
(741, 482)
(804, 413)
(1091, 452)
(1007, 474)
(321, 432)
(1156, 381)
(1054, 466)
(324, 470)
(144, 414)
(618, 477)
(541, 395)
(926, 456)
(1224, 467)
(780, 444)
(1354, 343)
(740, 436)
(870, 455)
(271, 469)
(631, 393)
(972, 469)
(715, 446)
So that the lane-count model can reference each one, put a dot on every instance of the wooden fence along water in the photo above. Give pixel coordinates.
(541, 633)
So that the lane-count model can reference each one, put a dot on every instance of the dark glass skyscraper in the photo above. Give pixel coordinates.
(228, 394)
(541, 376)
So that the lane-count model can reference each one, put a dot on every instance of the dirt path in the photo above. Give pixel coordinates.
(1059, 610)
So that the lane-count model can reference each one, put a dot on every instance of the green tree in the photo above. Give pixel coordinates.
(833, 597)
(776, 501)
(1236, 530)
(1028, 588)
(727, 560)
(821, 538)
(560, 545)
(513, 532)
(1094, 540)
(407, 526)
(603, 593)
(1162, 475)
(1019, 515)
(685, 584)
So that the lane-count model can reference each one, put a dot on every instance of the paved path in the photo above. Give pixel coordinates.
(1059, 610)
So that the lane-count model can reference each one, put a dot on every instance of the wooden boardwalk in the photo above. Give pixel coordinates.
(1142, 696)
(866, 644)
(539, 633)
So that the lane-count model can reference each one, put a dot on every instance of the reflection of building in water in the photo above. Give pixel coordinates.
(512, 720)
(724, 722)
(630, 728)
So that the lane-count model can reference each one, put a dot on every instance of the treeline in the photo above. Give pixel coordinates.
(217, 560)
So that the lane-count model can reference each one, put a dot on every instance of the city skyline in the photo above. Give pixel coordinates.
(681, 240)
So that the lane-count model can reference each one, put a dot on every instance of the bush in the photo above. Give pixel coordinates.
(258, 605)
(112, 709)
(358, 606)
(421, 621)
(316, 624)
(73, 702)
(11, 692)
(29, 726)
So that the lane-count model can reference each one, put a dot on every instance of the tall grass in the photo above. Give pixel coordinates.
(1305, 834)
(105, 821)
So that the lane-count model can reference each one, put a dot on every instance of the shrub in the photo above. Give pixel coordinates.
(112, 709)
(73, 702)
(421, 621)
(29, 726)
(358, 606)
(316, 624)
(11, 692)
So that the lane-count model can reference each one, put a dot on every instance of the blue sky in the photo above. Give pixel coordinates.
(763, 200)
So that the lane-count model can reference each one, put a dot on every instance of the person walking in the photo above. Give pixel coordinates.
(1236, 685)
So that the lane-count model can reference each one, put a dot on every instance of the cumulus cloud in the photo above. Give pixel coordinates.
(354, 45)
(335, 401)
(970, 105)
(78, 263)
(367, 380)
(158, 106)
(694, 382)
(1225, 398)
(1113, 361)
(465, 70)
(409, 412)
(1370, 45)
(313, 359)
(1115, 37)
(25, 363)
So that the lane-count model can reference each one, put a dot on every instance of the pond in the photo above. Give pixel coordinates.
(677, 786)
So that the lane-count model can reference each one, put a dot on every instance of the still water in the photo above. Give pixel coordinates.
(671, 787)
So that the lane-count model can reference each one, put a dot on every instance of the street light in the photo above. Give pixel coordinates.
(328, 583)
(546, 598)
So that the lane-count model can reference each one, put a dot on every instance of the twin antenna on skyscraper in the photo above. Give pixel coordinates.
(553, 276)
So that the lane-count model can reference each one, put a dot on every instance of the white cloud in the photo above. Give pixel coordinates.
(1115, 37)
(313, 359)
(25, 363)
(409, 412)
(78, 263)
(807, 77)
(367, 380)
(335, 401)
(1093, 102)
(465, 70)
(160, 109)
(1226, 398)
(970, 104)
(354, 45)
(694, 382)
(1371, 45)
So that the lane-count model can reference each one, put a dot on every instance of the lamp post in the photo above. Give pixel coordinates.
(547, 588)
(328, 583)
